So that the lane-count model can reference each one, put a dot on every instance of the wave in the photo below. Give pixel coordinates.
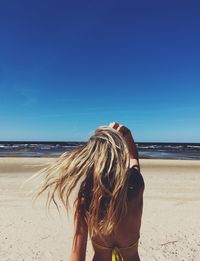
(146, 150)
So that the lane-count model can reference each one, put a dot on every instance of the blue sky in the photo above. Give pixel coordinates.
(67, 67)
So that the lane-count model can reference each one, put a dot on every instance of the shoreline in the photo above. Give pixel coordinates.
(12, 155)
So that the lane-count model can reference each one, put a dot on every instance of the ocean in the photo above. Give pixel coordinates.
(150, 150)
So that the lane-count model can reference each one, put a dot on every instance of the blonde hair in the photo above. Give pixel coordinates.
(100, 167)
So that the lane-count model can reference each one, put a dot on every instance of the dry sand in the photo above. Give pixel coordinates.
(170, 226)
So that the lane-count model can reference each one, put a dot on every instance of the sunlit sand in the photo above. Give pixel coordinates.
(170, 224)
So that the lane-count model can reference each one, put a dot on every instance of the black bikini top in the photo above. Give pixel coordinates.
(136, 182)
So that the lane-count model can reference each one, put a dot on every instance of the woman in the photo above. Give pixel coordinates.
(109, 202)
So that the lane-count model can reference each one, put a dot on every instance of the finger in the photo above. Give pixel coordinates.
(114, 125)
(122, 129)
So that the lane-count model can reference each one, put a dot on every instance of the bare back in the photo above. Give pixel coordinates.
(128, 230)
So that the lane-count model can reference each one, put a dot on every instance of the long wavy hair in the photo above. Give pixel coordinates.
(99, 169)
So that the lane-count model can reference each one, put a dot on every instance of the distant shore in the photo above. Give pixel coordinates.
(170, 224)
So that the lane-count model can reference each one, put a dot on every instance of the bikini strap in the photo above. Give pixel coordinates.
(132, 245)
(116, 253)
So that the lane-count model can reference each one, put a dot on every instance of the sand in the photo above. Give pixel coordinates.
(170, 225)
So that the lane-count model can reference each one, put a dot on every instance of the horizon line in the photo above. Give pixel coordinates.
(57, 141)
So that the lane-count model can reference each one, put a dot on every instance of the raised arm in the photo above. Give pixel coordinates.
(133, 152)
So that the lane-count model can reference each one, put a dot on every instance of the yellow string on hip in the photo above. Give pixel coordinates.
(116, 255)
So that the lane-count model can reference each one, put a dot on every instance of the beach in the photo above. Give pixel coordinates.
(170, 224)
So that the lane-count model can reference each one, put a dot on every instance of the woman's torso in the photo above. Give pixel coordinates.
(128, 230)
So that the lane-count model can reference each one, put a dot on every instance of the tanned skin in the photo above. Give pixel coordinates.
(129, 229)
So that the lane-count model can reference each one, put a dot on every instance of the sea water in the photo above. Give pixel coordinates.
(152, 150)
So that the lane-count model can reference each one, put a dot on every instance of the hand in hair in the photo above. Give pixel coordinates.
(127, 135)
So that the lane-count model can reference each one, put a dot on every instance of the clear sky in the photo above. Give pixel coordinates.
(67, 67)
